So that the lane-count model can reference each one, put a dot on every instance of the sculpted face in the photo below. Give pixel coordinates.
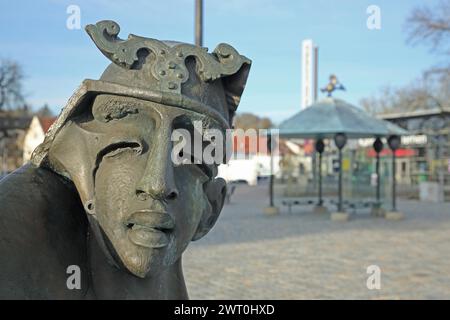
(113, 141)
(148, 207)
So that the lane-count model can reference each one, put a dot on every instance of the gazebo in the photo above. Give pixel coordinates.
(336, 119)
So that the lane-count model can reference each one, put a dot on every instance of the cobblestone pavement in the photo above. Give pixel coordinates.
(302, 255)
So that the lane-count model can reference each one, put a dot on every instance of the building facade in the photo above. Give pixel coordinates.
(35, 135)
(429, 143)
(19, 136)
(12, 133)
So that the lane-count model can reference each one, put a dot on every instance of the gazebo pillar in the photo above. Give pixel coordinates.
(320, 147)
(377, 210)
(394, 144)
(340, 139)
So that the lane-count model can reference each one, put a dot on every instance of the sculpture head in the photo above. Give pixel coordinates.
(113, 140)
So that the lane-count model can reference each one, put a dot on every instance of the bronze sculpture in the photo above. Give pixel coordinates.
(332, 85)
(102, 192)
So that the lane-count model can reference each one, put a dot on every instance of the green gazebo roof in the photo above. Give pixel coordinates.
(330, 116)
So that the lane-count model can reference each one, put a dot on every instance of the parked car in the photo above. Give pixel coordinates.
(239, 170)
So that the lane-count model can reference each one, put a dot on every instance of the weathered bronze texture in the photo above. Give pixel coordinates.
(102, 192)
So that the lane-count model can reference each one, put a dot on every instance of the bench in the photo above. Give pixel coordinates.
(350, 204)
(297, 202)
(356, 204)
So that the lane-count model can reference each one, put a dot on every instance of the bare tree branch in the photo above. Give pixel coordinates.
(430, 26)
(429, 92)
(11, 77)
(251, 121)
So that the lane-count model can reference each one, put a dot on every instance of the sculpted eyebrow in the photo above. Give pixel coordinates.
(114, 110)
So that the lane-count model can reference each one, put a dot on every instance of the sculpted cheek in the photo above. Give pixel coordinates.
(119, 185)
(197, 194)
(114, 187)
(195, 203)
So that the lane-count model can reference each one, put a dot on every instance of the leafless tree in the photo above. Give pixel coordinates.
(251, 121)
(431, 26)
(431, 91)
(44, 111)
(11, 77)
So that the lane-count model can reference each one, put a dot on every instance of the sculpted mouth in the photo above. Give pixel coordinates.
(150, 229)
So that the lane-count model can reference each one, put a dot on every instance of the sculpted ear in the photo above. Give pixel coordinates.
(70, 155)
(215, 191)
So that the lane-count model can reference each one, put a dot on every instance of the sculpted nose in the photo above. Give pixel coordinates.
(157, 182)
(159, 186)
(158, 179)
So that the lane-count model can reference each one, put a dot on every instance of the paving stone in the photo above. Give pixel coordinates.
(303, 255)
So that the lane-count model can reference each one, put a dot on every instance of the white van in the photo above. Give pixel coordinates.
(237, 170)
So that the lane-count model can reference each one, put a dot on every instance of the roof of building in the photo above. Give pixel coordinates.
(8, 122)
(46, 122)
(413, 114)
(329, 116)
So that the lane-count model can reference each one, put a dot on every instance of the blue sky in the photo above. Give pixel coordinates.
(56, 59)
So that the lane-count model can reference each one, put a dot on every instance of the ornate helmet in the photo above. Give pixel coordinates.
(171, 73)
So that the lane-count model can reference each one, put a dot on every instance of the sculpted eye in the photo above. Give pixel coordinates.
(117, 148)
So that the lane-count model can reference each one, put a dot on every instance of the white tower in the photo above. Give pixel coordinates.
(309, 73)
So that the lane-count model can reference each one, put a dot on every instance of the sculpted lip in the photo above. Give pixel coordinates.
(150, 228)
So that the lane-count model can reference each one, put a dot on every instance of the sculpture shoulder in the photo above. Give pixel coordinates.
(42, 231)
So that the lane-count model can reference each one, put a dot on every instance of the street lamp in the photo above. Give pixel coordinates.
(340, 139)
(320, 147)
(270, 150)
(394, 144)
(378, 147)
(271, 209)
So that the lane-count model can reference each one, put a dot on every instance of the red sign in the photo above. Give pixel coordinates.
(387, 152)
